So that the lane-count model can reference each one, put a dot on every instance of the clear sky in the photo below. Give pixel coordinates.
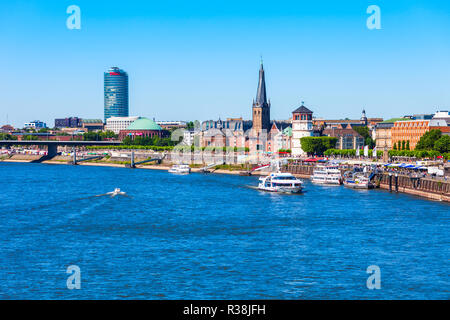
(190, 60)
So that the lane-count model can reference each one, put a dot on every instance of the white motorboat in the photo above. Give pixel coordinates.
(180, 169)
(280, 182)
(327, 174)
(358, 181)
(116, 192)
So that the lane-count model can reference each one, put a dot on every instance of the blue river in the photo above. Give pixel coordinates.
(212, 237)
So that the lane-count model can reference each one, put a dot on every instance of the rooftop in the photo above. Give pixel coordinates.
(302, 109)
(144, 124)
(92, 120)
(395, 120)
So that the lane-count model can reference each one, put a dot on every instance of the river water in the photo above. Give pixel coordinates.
(211, 237)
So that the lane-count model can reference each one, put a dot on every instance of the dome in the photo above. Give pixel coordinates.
(144, 124)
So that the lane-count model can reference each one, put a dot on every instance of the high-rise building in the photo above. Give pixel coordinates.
(116, 93)
(261, 108)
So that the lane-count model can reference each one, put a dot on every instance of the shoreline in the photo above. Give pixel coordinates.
(116, 165)
(418, 193)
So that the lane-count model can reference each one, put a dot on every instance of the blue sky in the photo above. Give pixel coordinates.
(199, 59)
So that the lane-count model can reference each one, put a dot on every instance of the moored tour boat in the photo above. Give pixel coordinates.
(358, 181)
(280, 182)
(180, 169)
(328, 174)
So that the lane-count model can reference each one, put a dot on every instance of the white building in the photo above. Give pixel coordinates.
(302, 126)
(116, 124)
(36, 124)
(189, 137)
(442, 115)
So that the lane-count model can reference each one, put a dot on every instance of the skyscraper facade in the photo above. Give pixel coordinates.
(116, 93)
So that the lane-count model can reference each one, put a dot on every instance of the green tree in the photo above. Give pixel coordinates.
(91, 136)
(127, 141)
(317, 145)
(7, 136)
(395, 146)
(190, 125)
(407, 145)
(428, 140)
(442, 144)
(403, 144)
(365, 133)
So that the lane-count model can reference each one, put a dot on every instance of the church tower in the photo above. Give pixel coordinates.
(261, 108)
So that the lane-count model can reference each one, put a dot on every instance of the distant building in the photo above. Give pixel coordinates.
(143, 127)
(116, 124)
(92, 124)
(422, 116)
(72, 122)
(189, 137)
(6, 129)
(231, 133)
(116, 93)
(413, 130)
(347, 137)
(302, 126)
(383, 136)
(442, 115)
(280, 137)
(216, 136)
(168, 125)
(36, 124)
(363, 121)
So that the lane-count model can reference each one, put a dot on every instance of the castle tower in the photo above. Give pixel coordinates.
(302, 126)
(261, 108)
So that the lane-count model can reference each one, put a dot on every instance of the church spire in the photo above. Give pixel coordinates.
(261, 97)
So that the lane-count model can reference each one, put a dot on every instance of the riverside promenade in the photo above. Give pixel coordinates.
(433, 189)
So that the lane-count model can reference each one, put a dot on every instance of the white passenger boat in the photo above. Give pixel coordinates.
(358, 181)
(280, 182)
(327, 174)
(180, 169)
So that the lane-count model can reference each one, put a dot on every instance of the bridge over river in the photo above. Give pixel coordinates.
(52, 145)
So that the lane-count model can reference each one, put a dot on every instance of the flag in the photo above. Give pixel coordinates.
(366, 151)
(357, 152)
(374, 152)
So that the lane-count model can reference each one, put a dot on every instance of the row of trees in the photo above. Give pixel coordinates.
(99, 136)
(348, 152)
(403, 145)
(6, 136)
(419, 154)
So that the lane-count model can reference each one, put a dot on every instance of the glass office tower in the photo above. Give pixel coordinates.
(116, 93)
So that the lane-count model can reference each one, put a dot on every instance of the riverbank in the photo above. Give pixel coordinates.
(120, 165)
(425, 188)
